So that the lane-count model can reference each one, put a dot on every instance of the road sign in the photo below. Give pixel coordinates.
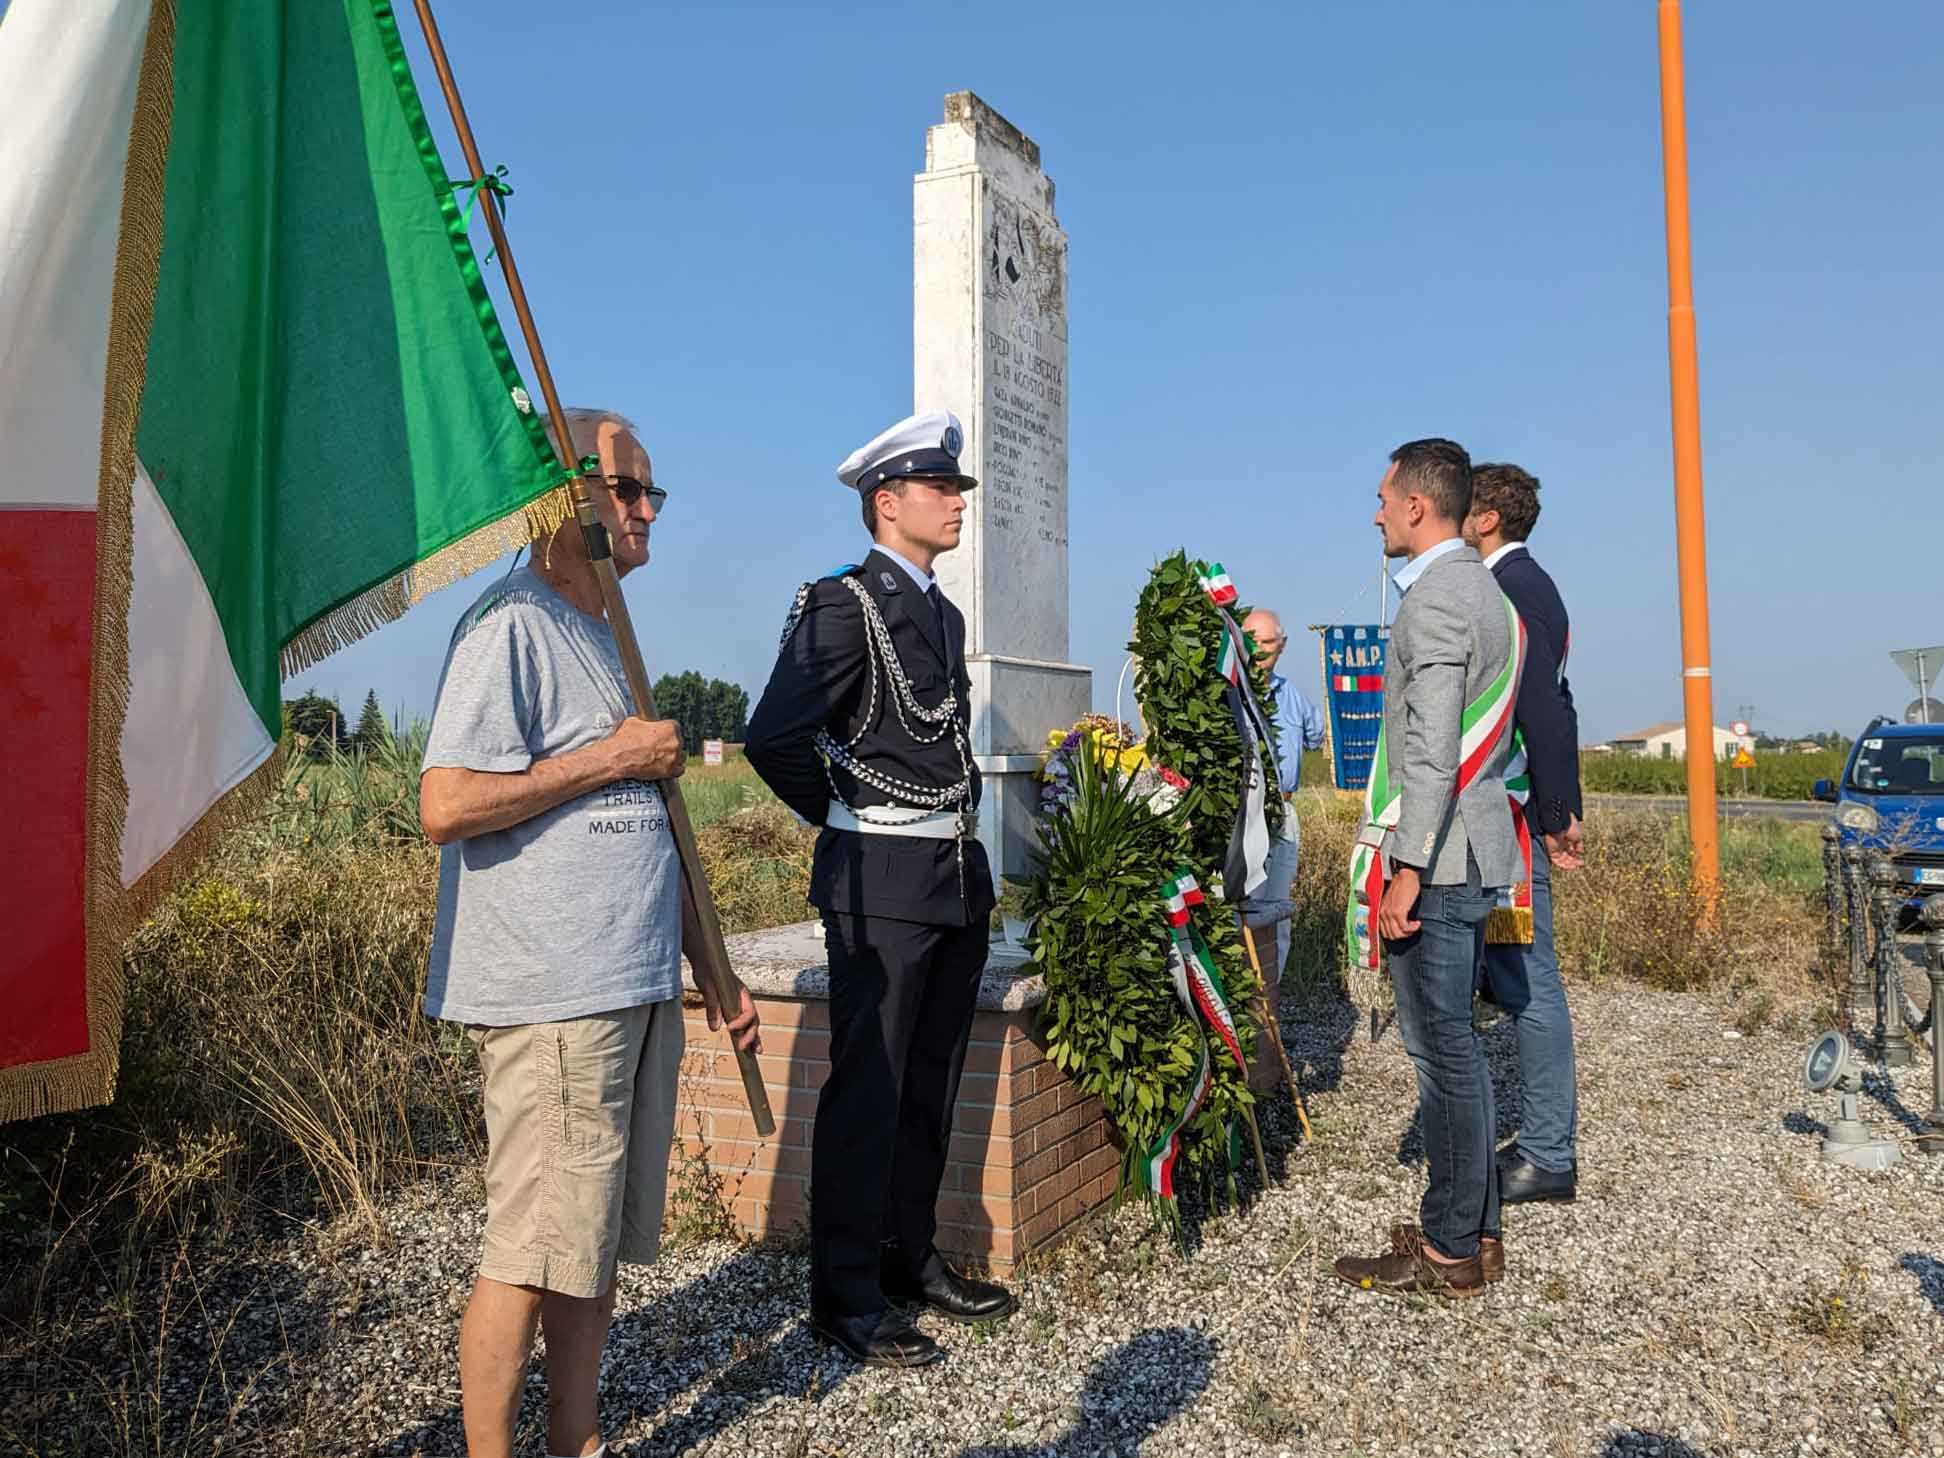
(1743, 759)
(1739, 728)
(712, 751)
(1920, 665)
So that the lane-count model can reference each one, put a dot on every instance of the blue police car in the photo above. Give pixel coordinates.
(1891, 799)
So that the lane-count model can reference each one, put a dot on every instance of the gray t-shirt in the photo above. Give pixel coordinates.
(578, 910)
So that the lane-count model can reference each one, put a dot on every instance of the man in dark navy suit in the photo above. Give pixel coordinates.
(1543, 1163)
(862, 730)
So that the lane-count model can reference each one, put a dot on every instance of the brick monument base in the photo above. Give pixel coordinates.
(1030, 1156)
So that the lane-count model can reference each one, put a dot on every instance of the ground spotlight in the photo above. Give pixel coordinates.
(1832, 1065)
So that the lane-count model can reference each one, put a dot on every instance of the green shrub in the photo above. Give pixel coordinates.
(1776, 776)
(1100, 935)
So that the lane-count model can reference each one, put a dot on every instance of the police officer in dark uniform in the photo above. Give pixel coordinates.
(863, 731)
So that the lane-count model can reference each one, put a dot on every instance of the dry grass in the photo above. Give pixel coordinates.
(1631, 912)
(276, 1069)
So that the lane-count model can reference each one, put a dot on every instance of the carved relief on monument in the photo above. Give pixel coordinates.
(1025, 264)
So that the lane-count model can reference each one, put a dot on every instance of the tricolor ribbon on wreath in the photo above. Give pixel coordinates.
(1246, 869)
(1198, 985)
(1484, 720)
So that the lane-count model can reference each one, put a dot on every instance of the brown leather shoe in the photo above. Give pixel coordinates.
(1400, 1272)
(1491, 1249)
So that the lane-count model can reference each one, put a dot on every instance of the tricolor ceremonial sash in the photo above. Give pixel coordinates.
(1511, 920)
(1485, 719)
(1198, 987)
(1510, 923)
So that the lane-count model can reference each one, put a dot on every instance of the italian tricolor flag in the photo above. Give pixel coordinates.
(1179, 894)
(1215, 582)
(254, 401)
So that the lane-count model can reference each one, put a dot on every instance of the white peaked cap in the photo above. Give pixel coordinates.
(925, 445)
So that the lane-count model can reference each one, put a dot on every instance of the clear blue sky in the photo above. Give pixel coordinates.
(1300, 235)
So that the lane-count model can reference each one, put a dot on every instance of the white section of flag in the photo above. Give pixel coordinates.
(191, 734)
(68, 76)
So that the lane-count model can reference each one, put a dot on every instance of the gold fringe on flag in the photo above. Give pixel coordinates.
(28, 1090)
(345, 624)
(1509, 926)
(534, 522)
(388, 601)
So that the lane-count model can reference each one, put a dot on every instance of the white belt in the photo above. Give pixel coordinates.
(891, 820)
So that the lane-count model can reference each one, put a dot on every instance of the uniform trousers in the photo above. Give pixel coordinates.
(902, 996)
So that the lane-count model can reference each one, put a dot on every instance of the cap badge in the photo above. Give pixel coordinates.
(953, 442)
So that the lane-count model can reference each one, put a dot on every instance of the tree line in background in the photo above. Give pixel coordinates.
(1776, 775)
(322, 726)
(704, 708)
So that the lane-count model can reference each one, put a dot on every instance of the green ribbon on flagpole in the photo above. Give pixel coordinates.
(494, 182)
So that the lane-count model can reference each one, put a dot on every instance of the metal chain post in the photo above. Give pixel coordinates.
(1893, 1039)
(1931, 1141)
(1833, 898)
(1857, 899)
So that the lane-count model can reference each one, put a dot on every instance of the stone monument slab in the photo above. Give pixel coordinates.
(989, 318)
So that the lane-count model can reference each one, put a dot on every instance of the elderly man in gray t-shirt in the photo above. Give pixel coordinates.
(559, 946)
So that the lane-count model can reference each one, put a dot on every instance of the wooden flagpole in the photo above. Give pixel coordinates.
(711, 958)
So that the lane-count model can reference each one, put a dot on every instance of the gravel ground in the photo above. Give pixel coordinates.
(1715, 1290)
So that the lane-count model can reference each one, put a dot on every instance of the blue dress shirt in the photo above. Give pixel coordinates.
(1299, 726)
(1404, 577)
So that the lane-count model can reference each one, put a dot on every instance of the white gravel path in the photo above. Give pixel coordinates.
(1686, 1304)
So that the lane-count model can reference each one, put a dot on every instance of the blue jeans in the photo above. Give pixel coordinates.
(1525, 981)
(1434, 971)
(1284, 853)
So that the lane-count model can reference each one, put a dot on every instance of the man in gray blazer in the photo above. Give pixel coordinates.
(1450, 849)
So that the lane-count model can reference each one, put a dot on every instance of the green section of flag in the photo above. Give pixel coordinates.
(328, 396)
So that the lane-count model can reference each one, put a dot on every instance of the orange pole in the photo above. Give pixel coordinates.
(1690, 526)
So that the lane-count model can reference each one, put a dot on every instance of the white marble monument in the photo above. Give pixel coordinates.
(989, 327)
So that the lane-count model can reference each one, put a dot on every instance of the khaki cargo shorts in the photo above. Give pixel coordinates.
(579, 1118)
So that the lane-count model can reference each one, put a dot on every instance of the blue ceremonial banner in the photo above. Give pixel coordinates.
(1353, 685)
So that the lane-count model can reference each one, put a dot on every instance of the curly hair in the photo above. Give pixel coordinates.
(1512, 493)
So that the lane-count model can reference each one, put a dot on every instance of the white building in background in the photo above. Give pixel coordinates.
(1669, 741)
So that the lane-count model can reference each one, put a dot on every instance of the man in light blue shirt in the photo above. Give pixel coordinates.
(1299, 726)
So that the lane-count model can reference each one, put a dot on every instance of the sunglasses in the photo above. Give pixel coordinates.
(628, 491)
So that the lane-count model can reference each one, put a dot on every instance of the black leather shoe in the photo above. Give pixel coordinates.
(951, 1295)
(1521, 1182)
(885, 1339)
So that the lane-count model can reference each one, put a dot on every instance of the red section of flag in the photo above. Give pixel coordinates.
(1362, 683)
(47, 604)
